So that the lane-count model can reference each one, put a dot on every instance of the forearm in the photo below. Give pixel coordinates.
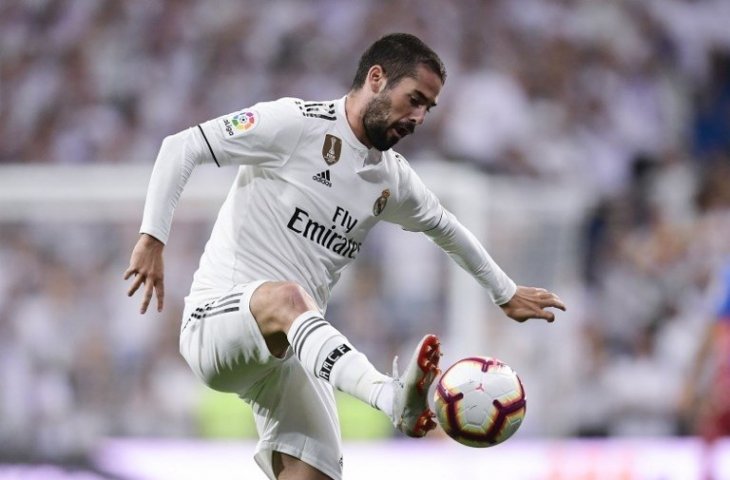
(178, 156)
(464, 248)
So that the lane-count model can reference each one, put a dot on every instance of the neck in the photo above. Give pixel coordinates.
(354, 111)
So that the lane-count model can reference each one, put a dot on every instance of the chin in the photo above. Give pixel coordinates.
(382, 142)
(385, 145)
(393, 140)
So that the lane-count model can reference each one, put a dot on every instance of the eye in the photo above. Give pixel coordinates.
(419, 102)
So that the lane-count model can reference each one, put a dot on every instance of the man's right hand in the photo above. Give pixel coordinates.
(147, 267)
(531, 302)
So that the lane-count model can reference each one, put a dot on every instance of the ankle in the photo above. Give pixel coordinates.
(382, 396)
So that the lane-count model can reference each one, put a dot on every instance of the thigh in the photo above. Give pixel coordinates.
(296, 414)
(222, 343)
(288, 467)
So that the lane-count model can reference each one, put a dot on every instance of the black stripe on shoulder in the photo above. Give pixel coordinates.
(324, 117)
(325, 111)
(317, 108)
(209, 147)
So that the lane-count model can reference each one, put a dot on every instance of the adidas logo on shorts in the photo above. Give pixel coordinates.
(323, 178)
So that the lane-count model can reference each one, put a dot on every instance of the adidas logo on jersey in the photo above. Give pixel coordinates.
(323, 178)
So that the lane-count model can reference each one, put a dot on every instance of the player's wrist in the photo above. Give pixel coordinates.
(150, 241)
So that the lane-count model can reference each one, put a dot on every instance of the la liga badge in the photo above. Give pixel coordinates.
(241, 122)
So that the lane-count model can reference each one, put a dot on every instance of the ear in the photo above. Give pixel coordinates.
(376, 79)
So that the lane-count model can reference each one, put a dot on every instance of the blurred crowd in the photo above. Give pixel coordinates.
(629, 99)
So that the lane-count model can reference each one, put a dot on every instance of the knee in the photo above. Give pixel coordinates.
(275, 305)
(294, 298)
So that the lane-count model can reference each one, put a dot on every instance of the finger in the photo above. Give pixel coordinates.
(552, 300)
(160, 289)
(147, 297)
(548, 316)
(558, 303)
(541, 314)
(128, 273)
(139, 280)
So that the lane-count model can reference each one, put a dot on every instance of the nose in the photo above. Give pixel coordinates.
(418, 115)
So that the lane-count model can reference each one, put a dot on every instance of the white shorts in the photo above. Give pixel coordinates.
(295, 411)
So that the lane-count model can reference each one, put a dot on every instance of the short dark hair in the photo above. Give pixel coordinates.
(399, 54)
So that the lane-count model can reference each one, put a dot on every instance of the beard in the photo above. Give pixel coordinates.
(375, 122)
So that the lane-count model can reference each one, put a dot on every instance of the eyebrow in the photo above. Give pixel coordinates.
(424, 99)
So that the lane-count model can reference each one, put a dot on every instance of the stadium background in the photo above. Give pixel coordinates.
(587, 143)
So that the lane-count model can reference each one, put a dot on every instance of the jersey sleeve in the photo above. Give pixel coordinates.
(417, 208)
(179, 155)
(466, 250)
(420, 210)
(264, 134)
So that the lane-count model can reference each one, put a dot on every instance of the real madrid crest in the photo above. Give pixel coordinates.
(331, 149)
(381, 202)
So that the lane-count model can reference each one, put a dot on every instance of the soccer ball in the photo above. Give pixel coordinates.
(480, 401)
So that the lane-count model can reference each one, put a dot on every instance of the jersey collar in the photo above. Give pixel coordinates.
(345, 128)
(369, 156)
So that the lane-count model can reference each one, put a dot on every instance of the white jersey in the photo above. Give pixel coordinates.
(306, 195)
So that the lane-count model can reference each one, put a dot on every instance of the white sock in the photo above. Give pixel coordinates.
(327, 354)
(383, 397)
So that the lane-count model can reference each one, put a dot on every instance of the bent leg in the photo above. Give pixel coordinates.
(222, 343)
(275, 306)
(288, 316)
